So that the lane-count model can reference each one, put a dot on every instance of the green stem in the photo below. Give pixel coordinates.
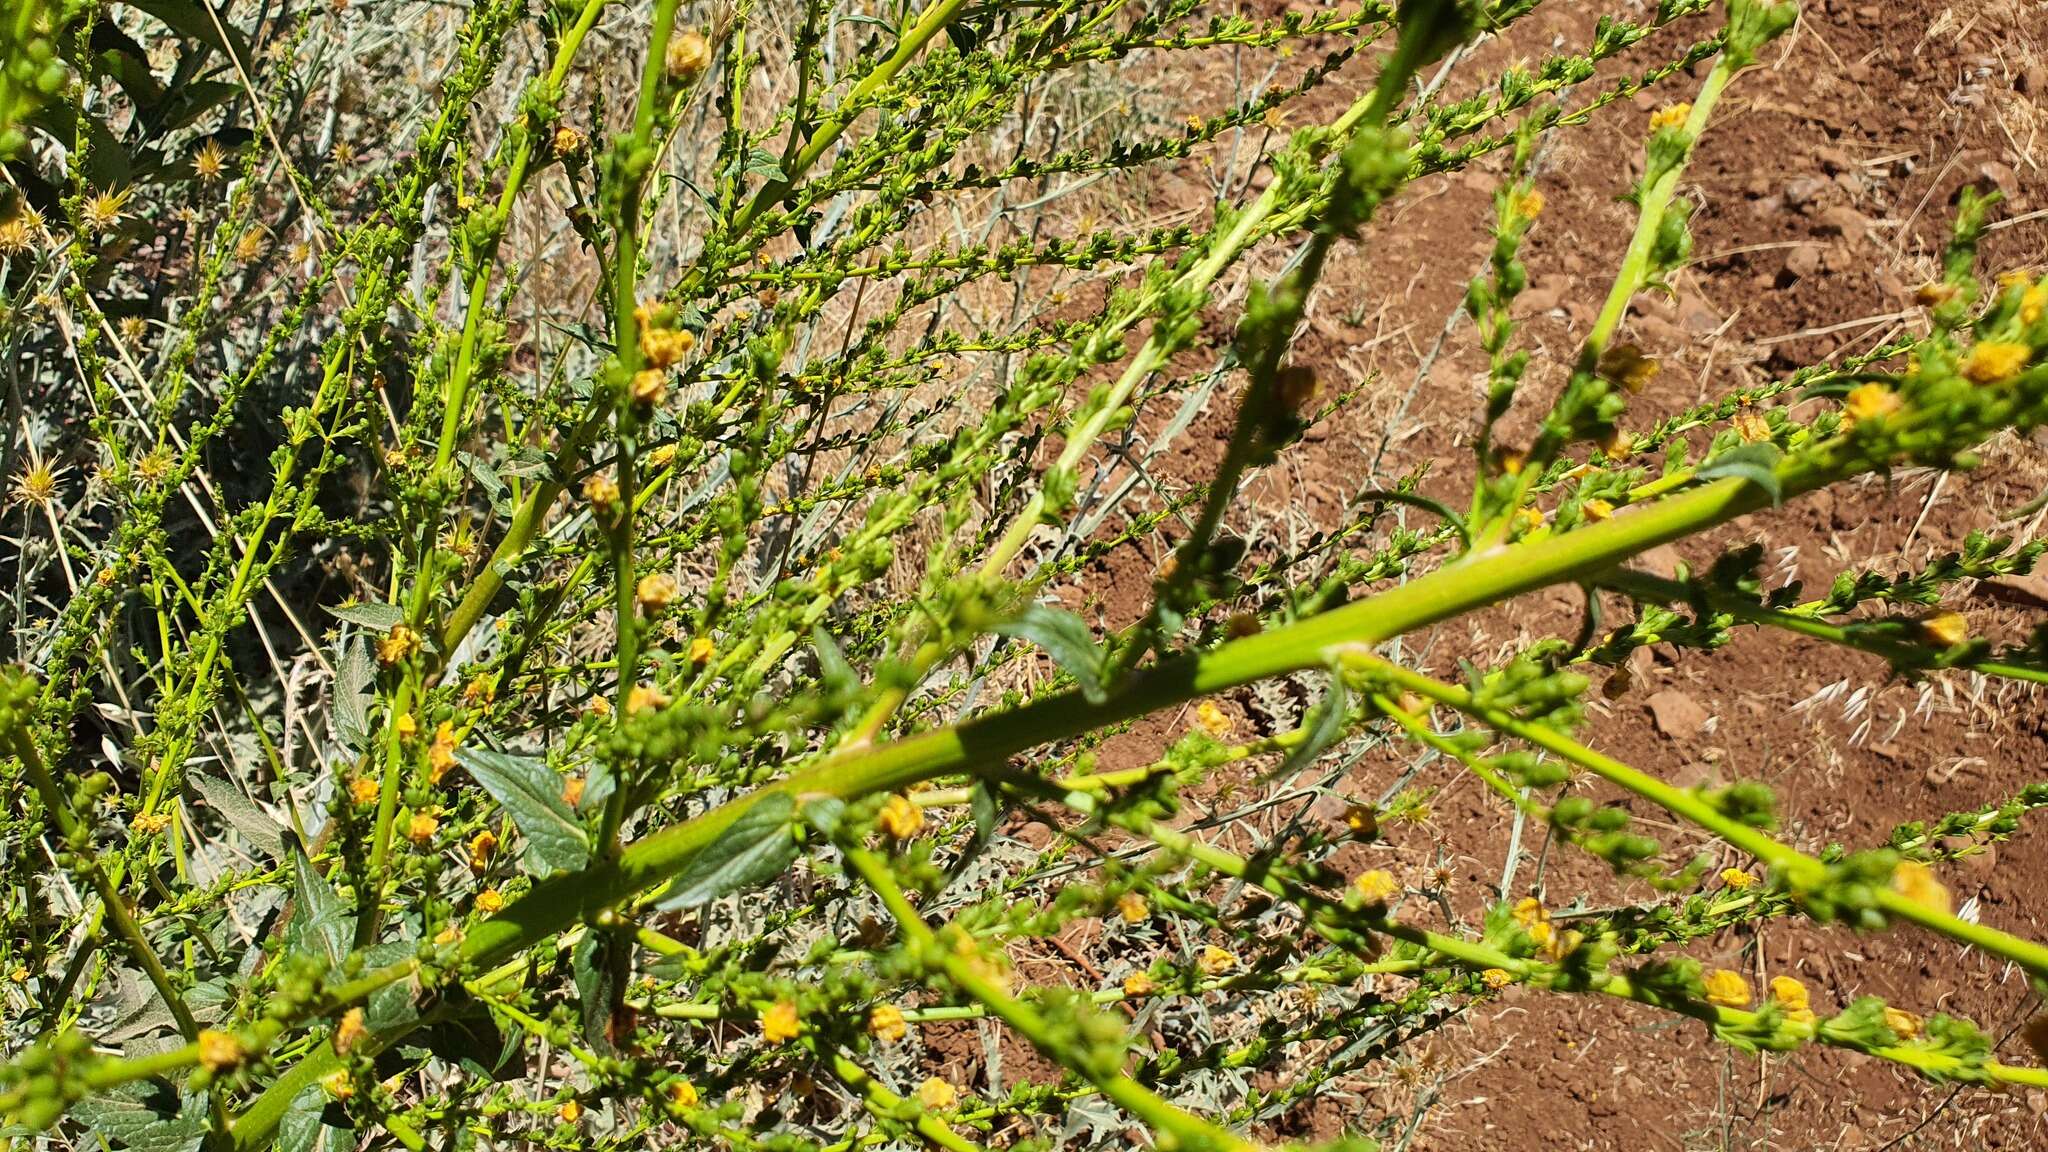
(1170, 1122)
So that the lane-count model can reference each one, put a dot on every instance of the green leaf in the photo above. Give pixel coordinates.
(375, 617)
(306, 1128)
(320, 921)
(241, 813)
(1066, 638)
(1324, 724)
(531, 793)
(145, 1116)
(354, 672)
(754, 848)
(1756, 463)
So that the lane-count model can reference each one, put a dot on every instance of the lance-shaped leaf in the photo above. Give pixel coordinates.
(553, 839)
(754, 848)
(1066, 638)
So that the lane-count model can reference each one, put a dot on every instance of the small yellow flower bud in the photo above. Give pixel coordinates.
(665, 347)
(655, 592)
(601, 490)
(338, 1084)
(350, 1032)
(885, 1023)
(900, 819)
(643, 698)
(1670, 116)
(567, 140)
(480, 848)
(1215, 961)
(1737, 878)
(1915, 881)
(407, 726)
(441, 753)
(682, 1095)
(1944, 629)
(489, 901)
(1529, 205)
(572, 790)
(1133, 908)
(936, 1094)
(570, 1111)
(1789, 994)
(1139, 984)
(1870, 401)
(1212, 719)
(1727, 989)
(396, 645)
(779, 1023)
(363, 790)
(649, 388)
(1377, 886)
(220, 1051)
(1528, 912)
(702, 650)
(1993, 361)
(421, 827)
(1497, 978)
(688, 55)
(1597, 509)
(1903, 1023)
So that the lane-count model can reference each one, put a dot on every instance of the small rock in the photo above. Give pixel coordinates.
(2033, 82)
(1833, 160)
(1677, 715)
(1803, 261)
(2029, 591)
(1800, 193)
(1845, 222)
(1663, 560)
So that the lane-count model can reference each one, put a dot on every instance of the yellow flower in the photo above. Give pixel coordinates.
(601, 490)
(1670, 116)
(900, 819)
(1497, 978)
(407, 726)
(1139, 984)
(489, 901)
(209, 162)
(1132, 908)
(220, 1051)
(937, 1094)
(441, 753)
(1363, 820)
(421, 827)
(338, 1085)
(396, 645)
(649, 388)
(1530, 519)
(1903, 1023)
(1617, 445)
(645, 699)
(351, 1031)
(1529, 912)
(1215, 961)
(1916, 882)
(449, 935)
(779, 1022)
(570, 1111)
(1790, 994)
(1737, 878)
(1727, 989)
(1751, 426)
(480, 848)
(655, 591)
(2034, 303)
(1945, 629)
(1377, 886)
(1991, 361)
(688, 55)
(1529, 205)
(480, 690)
(1934, 293)
(1597, 509)
(1212, 720)
(363, 790)
(665, 347)
(572, 790)
(701, 650)
(682, 1095)
(1625, 364)
(568, 141)
(886, 1023)
(1870, 401)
